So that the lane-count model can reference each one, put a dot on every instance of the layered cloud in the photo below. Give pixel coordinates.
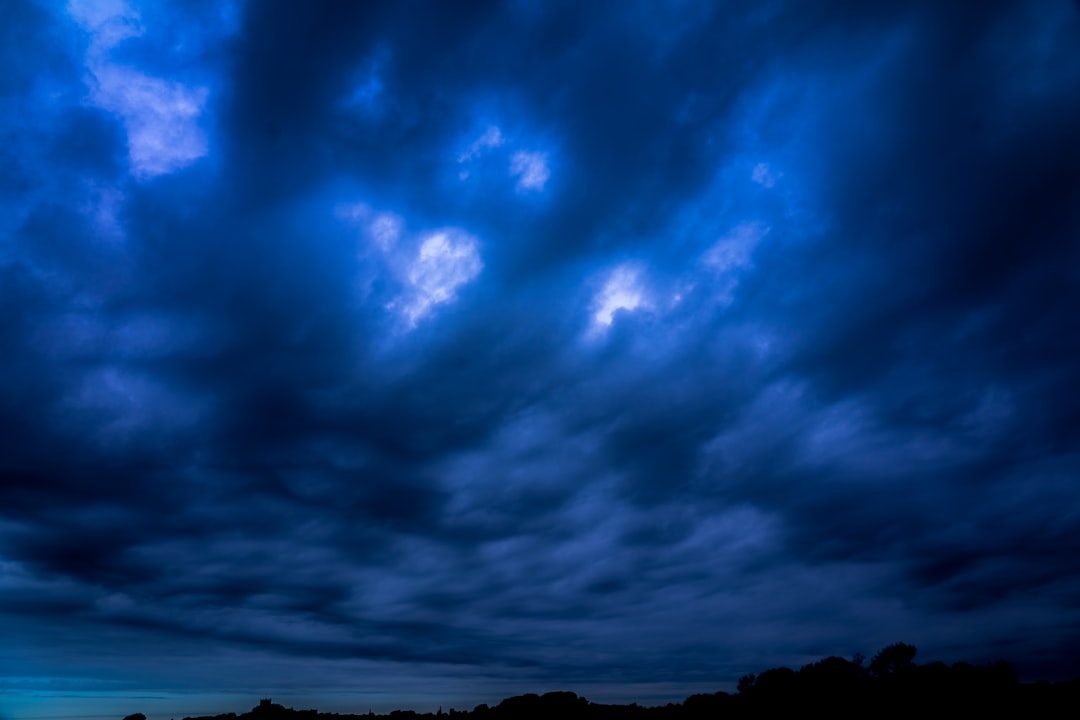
(491, 349)
(160, 116)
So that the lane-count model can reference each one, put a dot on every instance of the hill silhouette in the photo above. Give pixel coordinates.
(892, 682)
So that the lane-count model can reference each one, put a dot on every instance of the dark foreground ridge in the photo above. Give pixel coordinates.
(892, 681)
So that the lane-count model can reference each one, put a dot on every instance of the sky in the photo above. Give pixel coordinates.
(378, 355)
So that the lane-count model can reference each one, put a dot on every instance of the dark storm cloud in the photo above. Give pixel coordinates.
(956, 323)
(611, 347)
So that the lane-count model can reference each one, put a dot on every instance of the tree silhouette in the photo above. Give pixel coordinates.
(831, 687)
(893, 659)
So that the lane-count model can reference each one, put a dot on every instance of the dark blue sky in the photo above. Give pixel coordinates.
(405, 354)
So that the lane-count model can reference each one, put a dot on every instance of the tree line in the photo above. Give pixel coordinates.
(892, 681)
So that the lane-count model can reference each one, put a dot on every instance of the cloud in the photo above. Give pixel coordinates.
(386, 230)
(730, 257)
(825, 403)
(491, 138)
(764, 175)
(109, 22)
(621, 291)
(531, 170)
(431, 266)
(161, 117)
(445, 260)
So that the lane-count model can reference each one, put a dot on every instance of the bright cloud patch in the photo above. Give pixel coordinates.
(383, 228)
(109, 22)
(492, 138)
(446, 260)
(161, 117)
(442, 261)
(531, 170)
(731, 255)
(622, 291)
